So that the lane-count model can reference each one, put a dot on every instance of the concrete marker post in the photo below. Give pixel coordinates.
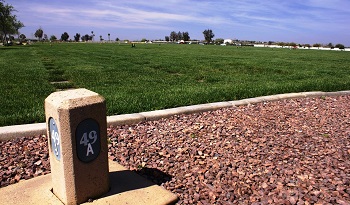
(77, 132)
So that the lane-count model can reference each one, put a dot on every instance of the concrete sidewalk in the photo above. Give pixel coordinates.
(15, 131)
(127, 187)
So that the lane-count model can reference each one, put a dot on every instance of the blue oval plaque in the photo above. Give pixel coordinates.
(88, 140)
(55, 139)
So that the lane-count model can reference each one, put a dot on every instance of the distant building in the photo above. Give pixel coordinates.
(228, 41)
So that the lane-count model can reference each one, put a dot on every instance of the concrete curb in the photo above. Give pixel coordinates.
(15, 131)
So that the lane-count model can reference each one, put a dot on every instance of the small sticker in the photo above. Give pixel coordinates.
(55, 139)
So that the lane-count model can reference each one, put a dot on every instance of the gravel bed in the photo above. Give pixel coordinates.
(23, 158)
(294, 151)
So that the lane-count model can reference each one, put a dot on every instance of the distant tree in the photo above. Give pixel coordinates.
(39, 34)
(17, 26)
(85, 38)
(117, 39)
(281, 44)
(316, 45)
(307, 45)
(180, 36)
(208, 35)
(8, 22)
(173, 36)
(45, 37)
(219, 41)
(330, 45)
(340, 46)
(53, 38)
(186, 36)
(92, 35)
(77, 37)
(109, 37)
(22, 38)
(143, 40)
(65, 36)
(167, 38)
(101, 39)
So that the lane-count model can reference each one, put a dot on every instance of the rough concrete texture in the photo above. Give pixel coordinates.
(126, 187)
(15, 131)
(74, 181)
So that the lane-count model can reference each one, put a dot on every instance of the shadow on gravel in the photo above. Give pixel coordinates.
(155, 175)
(126, 180)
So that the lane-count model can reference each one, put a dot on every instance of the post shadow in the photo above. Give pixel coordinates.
(126, 180)
(155, 175)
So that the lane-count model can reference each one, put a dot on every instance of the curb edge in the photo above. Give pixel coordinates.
(16, 131)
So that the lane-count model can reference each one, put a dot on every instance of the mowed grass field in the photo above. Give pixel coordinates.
(151, 76)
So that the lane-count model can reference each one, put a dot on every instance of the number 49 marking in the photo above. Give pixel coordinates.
(88, 140)
(56, 142)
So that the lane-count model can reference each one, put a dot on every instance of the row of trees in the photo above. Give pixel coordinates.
(174, 36)
(41, 36)
(178, 36)
(65, 36)
(329, 45)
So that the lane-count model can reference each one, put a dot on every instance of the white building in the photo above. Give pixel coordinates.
(228, 41)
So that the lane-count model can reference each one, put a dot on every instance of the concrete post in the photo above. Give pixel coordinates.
(77, 130)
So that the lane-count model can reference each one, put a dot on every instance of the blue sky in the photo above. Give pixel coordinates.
(300, 21)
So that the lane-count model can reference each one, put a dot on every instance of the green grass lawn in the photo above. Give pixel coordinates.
(152, 76)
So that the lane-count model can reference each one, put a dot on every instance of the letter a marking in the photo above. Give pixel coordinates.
(89, 150)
